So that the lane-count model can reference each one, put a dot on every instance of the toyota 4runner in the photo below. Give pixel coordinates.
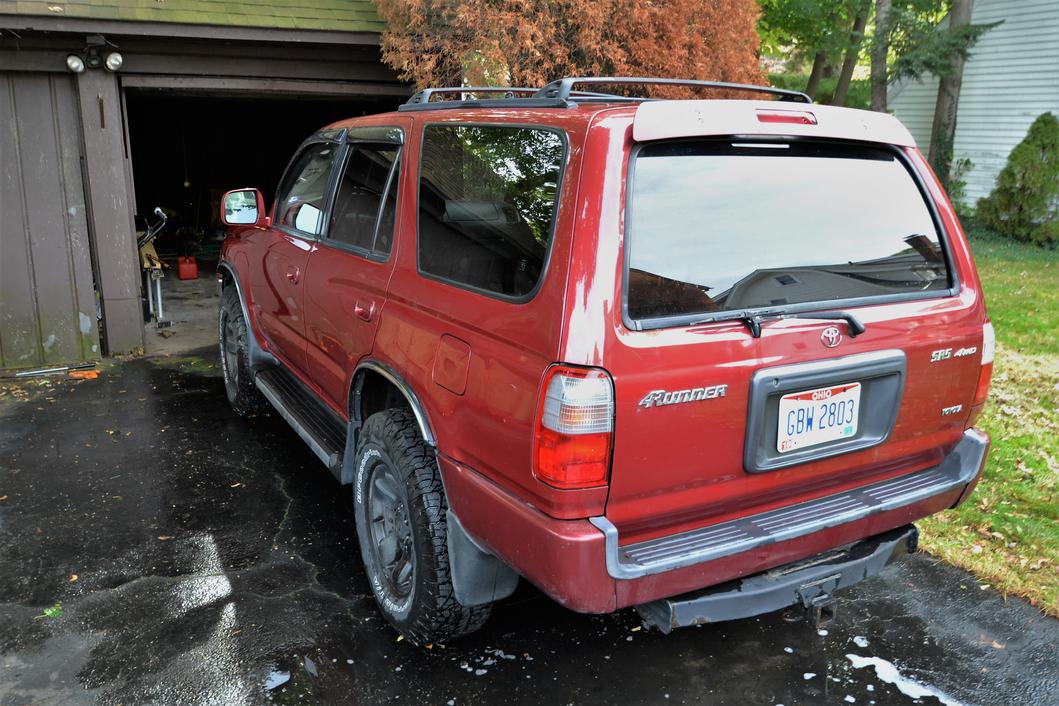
(706, 358)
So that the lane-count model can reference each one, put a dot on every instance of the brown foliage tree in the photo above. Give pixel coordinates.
(531, 42)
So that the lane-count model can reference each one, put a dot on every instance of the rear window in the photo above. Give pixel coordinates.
(720, 227)
(487, 204)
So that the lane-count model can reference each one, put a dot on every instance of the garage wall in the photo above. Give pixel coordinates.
(47, 304)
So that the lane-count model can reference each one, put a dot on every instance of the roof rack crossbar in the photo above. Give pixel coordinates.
(425, 95)
(562, 89)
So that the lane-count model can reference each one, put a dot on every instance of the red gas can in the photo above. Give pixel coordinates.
(187, 268)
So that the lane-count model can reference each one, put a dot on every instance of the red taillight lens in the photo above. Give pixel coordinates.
(575, 421)
(985, 374)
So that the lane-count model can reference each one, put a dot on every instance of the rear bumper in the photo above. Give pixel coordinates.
(582, 564)
(810, 582)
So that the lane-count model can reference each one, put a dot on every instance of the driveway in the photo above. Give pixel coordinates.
(200, 558)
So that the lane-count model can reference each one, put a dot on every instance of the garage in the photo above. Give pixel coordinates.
(188, 148)
(109, 111)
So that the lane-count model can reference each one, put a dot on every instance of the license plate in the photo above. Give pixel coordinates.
(817, 416)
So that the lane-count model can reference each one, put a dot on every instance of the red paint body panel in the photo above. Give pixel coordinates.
(476, 363)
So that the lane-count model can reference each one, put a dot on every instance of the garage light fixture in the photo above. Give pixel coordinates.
(91, 57)
(75, 63)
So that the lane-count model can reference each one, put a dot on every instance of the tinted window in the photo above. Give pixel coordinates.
(300, 202)
(486, 204)
(720, 227)
(365, 185)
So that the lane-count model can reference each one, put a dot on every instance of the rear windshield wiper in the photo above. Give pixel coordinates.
(753, 320)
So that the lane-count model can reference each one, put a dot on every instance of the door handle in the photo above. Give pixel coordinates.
(293, 274)
(364, 310)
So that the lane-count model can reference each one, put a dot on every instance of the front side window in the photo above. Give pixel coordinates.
(487, 200)
(720, 227)
(366, 201)
(301, 197)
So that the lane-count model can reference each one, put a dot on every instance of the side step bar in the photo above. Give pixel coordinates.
(810, 582)
(676, 551)
(318, 426)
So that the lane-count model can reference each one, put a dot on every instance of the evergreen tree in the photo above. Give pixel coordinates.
(1025, 202)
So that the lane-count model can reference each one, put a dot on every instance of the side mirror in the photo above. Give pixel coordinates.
(242, 207)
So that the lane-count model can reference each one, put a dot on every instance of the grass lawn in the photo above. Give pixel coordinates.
(1007, 534)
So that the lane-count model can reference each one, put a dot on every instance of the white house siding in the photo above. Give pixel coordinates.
(1012, 76)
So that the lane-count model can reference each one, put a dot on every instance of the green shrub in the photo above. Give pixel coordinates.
(957, 187)
(1024, 204)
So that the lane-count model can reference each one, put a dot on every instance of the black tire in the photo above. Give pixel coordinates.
(243, 395)
(422, 606)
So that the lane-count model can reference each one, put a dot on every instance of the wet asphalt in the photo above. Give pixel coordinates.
(215, 558)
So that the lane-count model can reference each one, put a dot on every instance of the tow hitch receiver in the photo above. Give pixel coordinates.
(818, 599)
(822, 610)
(811, 582)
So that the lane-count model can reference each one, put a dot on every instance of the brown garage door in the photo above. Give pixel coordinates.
(47, 304)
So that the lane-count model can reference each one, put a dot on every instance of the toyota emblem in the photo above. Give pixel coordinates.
(831, 336)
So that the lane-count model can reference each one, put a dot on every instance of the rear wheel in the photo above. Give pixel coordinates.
(243, 395)
(401, 526)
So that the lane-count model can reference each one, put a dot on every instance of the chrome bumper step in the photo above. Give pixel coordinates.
(677, 551)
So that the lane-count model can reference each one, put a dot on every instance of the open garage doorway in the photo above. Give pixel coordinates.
(187, 149)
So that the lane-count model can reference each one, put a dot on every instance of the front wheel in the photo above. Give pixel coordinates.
(243, 395)
(401, 525)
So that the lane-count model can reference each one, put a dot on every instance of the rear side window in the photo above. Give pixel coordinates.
(487, 199)
(366, 200)
(300, 201)
(719, 227)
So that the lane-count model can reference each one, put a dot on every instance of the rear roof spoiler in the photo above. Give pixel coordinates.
(672, 119)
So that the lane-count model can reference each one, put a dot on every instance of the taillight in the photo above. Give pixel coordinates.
(985, 375)
(575, 421)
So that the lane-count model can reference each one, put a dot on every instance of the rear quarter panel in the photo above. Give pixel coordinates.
(490, 426)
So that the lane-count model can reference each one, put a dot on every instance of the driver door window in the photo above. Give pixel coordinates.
(363, 215)
(301, 198)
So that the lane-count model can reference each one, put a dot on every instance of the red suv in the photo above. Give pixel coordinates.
(706, 358)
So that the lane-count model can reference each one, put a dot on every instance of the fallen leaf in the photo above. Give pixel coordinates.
(165, 537)
(3, 498)
(235, 485)
(998, 645)
(55, 611)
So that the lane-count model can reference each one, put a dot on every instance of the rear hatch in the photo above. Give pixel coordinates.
(744, 381)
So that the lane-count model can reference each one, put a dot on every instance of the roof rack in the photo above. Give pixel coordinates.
(561, 93)
(563, 88)
(425, 95)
